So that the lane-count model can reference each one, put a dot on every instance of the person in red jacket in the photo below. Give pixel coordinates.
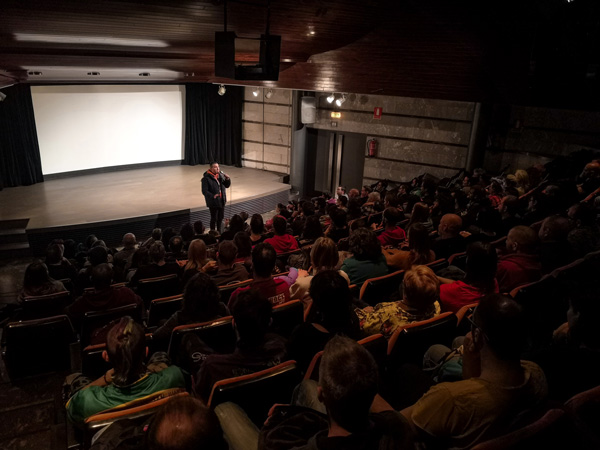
(393, 234)
(522, 264)
(282, 242)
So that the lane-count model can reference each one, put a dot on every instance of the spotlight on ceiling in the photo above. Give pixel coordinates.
(255, 92)
(222, 89)
(269, 93)
(340, 101)
(2, 96)
(331, 98)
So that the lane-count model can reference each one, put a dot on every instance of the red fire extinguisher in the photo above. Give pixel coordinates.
(372, 148)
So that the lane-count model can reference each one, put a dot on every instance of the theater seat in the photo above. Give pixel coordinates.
(39, 306)
(163, 308)
(409, 342)
(256, 393)
(94, 321)
(158, 287)
(218, 334)
(463, 326)
(584, 412)
(550, 431)
(144, 407)
(380, 289)
(226, 290)
(458, 260)
(286, 317)
(32, 347)
(438, 264)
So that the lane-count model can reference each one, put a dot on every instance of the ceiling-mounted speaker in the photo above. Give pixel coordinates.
(268, 56)
(308, 110)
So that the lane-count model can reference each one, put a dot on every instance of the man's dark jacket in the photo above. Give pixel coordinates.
(212, 187)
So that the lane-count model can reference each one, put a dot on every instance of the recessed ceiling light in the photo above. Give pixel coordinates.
(37, 74)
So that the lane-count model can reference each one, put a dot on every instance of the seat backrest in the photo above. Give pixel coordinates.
(409, 343)
(163, 308)
(38, 346)
(158, 287)
(95, 320)
(550, 431)
(256, 393)
(438, 265)
(39, 306)
(218, 334)
(93, 365)
(463, 326)
(133, 410)
(499, 243)
(458, 260)
(286, 317)
(380, 289)
(584, 411)
(226, 290)
(375, 344)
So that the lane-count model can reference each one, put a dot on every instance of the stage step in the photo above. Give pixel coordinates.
(13, 224)
(15, 250)
(13, 235)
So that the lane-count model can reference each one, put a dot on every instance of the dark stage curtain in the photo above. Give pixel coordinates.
(20, 162)
(213, 125)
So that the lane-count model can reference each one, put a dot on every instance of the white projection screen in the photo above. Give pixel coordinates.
(94, 126)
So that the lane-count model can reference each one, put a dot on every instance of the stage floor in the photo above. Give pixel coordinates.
(124, 194)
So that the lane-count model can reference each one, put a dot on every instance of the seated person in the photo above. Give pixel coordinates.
(449, 241)
(572, 361)
(276, 290)
(176, 252)
(244, 250)
(102, 297)
(555, 251)
(122, 259)
(419, 250)
(129, 380)
(312, 230)
(198, 261)
(522, 264)
(257, 229)
(367, 260)
(256, 349)
(184, 423)
(37, 281)
(58, 266)
(236, 224)
(158, 267)
(227, 270)
(331, 313)
(496, 384)
(200, 304)
(342, 411)
(323, 256)
(393, 235)
(96, 255)
(420, 295)
(480, 278)
(200, 233)
(339, 226)
(282, 242)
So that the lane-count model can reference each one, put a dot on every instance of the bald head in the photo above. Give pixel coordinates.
(129, 240)
(554, 228)
(521, 239)
(450, 225)
(184, 423)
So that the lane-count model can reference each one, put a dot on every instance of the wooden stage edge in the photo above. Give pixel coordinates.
(137, 201)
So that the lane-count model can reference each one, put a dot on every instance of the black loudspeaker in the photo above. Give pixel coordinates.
(308, 110)
(268, 58)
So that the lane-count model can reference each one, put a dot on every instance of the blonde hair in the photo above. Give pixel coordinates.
(196, 255)
(374, 197)
(324, 255)
(421, 287)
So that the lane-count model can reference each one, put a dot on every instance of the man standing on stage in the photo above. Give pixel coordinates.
(214, 184)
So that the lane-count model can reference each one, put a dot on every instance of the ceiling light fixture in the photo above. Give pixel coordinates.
(144, 74)
(331, 98)
(255, 92)
(340, 101)
(269, 94)
(222, 89)
(93, 74)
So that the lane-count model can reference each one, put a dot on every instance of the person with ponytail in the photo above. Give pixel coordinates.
(130, 378)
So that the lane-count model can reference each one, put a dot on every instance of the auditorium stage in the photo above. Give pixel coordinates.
(111, 204)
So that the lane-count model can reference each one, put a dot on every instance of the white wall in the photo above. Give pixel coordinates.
(92, 126)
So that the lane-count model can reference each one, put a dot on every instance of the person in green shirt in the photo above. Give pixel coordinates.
(130, 379)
